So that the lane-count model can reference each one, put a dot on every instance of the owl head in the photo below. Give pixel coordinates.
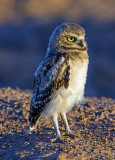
(67, 37)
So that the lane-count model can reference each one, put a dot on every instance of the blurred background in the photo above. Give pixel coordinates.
(25, 28)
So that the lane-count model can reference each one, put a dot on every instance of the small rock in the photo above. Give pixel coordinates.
(62, 156)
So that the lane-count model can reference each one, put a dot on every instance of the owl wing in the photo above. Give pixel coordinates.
(52, 74)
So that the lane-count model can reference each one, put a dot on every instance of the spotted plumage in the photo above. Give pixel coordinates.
(60, 78)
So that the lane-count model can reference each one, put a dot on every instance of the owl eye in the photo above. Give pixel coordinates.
(71, 39)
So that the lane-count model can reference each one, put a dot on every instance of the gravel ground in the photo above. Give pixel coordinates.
(95, 123)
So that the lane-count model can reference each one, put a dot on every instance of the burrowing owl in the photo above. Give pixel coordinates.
(60, 78)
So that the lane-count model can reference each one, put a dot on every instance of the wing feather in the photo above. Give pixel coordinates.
(52, 74)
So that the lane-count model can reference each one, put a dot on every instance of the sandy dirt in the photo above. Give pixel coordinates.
(95, 123)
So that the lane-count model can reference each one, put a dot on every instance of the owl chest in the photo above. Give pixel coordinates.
(78, 75)
(77, 80)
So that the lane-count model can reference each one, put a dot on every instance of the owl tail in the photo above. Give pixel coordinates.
(32, 128)
(34, 122)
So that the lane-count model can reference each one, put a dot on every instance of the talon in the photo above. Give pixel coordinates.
(59, 139)
(72, 135)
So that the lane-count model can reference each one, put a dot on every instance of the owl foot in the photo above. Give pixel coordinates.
(71, 135)
(60, 139)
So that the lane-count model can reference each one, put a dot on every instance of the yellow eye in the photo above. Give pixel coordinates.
(71, 39)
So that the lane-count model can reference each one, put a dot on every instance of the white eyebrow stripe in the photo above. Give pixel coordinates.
(80, 37)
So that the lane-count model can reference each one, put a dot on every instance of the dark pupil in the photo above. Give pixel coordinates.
(71, 38)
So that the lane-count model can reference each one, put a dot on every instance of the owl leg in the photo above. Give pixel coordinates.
(63, 116)
(58, 138)
(68, 132)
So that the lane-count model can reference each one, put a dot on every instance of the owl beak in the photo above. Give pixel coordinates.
(81, 43)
